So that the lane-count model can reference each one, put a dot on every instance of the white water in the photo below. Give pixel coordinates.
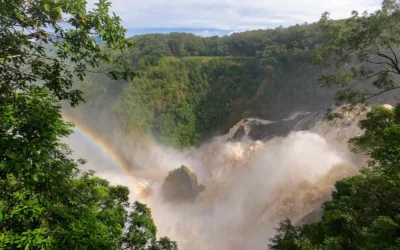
(250, 185)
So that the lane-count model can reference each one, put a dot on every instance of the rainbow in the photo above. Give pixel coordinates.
(108, 151)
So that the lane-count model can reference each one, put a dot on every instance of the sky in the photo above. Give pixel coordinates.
(223, 17)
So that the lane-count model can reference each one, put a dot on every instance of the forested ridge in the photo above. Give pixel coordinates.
(192, 87)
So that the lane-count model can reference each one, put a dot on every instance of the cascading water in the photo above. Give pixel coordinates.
(250, 185)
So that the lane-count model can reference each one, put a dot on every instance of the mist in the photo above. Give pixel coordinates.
(250, 185)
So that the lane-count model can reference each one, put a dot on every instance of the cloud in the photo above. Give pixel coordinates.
(229, 15)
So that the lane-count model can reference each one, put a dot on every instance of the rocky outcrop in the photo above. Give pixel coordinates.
(239, 134)
(258, 129)
(181, 185)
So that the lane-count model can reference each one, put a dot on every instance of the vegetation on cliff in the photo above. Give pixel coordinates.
(191, 87)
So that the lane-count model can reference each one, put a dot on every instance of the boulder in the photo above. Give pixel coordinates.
(181, 185)
(239, 134)
(258, 129)
(278, 128)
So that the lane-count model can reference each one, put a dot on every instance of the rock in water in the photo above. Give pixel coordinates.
(238, 136)
(267, 131)
(181, 185)
(258, 129)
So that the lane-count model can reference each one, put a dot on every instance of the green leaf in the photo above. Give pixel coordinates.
(20, 16)
(11, 155)
(46, 7)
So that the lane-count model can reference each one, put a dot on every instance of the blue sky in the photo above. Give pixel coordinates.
(223, 17)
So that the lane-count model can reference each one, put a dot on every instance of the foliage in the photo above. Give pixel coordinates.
(287, 237)
(45, 201)
(381, 138)
(178, 101)
(50, 42)
(363, 49)
(364, 210)
(141, 229)
(141, 233)
(362, 215)
(164, 244)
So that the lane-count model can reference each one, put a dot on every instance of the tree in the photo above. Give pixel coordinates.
(141, 232)
(362, 49)
(274, 59)
(364, 210)
(49, 42)
(378, 125)
(363, 214)
(45, 201)
(287, 237)
(164, 244)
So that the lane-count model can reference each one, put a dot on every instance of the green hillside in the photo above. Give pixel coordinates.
(191, 87)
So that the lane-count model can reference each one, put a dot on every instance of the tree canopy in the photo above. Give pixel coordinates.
(364, 210)
(50, 42)
(362, 49)
(46, 202)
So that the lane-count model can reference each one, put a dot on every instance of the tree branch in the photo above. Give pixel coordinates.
(394, 54)
(379, 93)
(394, 65)
(379, 63)
(378, 53)
(369, 77)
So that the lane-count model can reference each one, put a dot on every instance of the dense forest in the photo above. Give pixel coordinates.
(192, 87)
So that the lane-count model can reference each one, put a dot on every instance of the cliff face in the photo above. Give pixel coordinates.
(181, 185)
